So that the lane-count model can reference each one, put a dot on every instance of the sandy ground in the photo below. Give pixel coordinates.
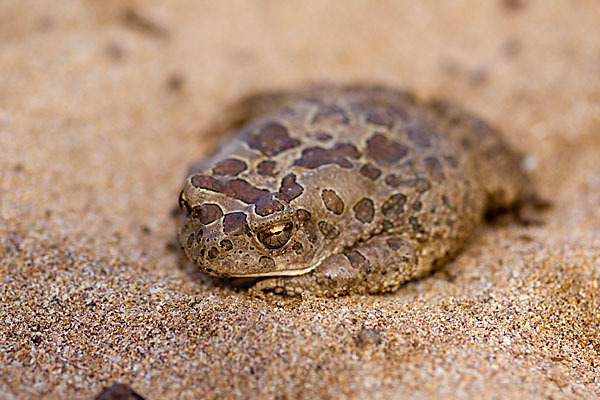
(102, 107)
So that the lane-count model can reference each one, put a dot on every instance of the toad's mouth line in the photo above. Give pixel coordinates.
(276, 273)
(294, 272)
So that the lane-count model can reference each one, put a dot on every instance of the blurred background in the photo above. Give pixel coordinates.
(104, 104)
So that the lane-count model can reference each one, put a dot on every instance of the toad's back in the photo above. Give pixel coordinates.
(363, 176)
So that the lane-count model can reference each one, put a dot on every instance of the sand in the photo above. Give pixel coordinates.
(103, 104)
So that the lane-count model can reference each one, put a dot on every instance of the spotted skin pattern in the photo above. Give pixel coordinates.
(343, 189)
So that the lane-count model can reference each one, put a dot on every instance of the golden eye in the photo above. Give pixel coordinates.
(277, 236)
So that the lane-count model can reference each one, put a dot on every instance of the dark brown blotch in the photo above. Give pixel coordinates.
(446, 202)
(234, 223)
(314, 157)
(289, 188)
(394, 206)
(207, 182)
(419, 184)
(308, 225)
(421, 135)
(370, 171)
(385, 151)
(395, 243)
(213, 253)
(451, 161)
(328, 230)
(266, 263)
(418, 229)
(303, 215)
(434, 168)
(331, 115)
(271, 139)
(312, 233)
(267, 168)
(332, 201)
(323, 137)
(364, 210)
(357, 260)
(242, 190)
(207, 213)
(230, 166)
(190, 240)
(237, 188)
(382, 109)
(417, 205)
(267, 205)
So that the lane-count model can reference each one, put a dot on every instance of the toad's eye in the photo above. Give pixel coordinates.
(277, 236)
(183, 204)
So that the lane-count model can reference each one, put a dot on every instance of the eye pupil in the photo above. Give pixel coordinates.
(277, 239)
